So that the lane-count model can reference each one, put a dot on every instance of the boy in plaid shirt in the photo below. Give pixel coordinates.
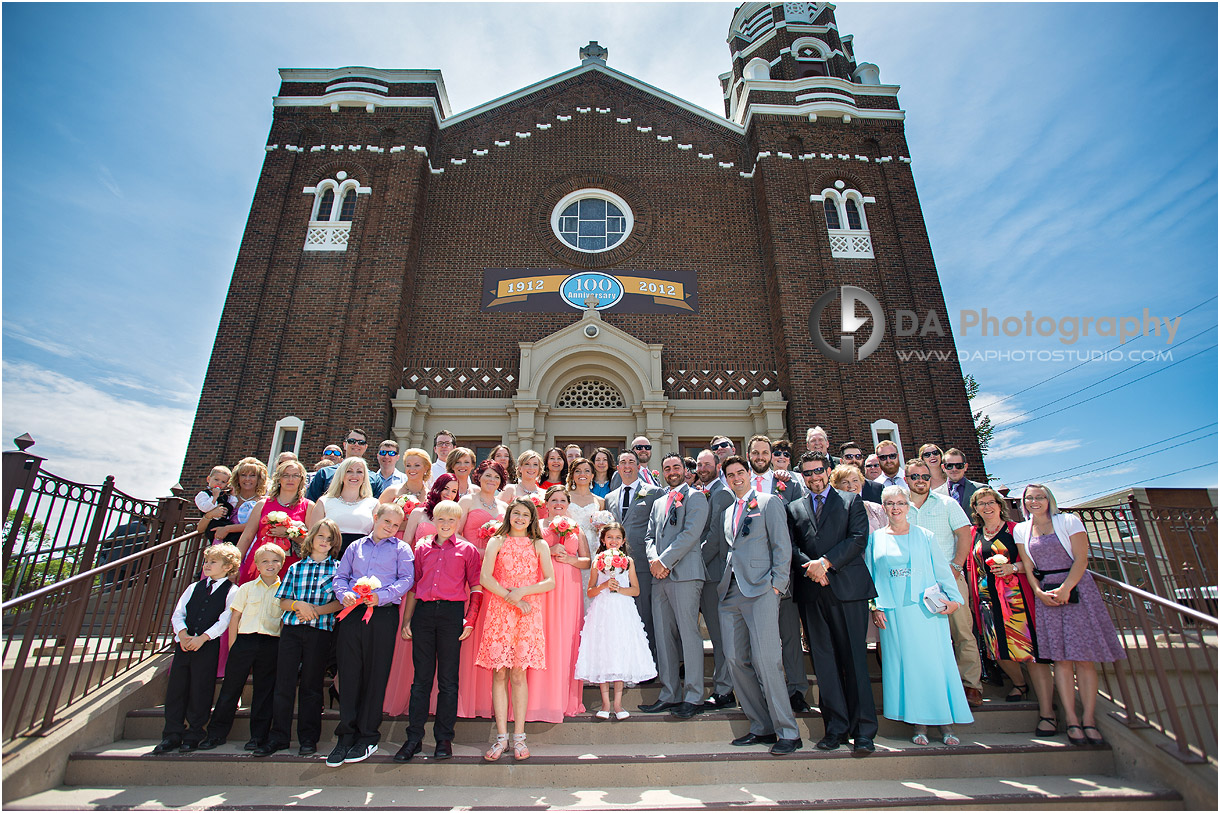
(307, 598)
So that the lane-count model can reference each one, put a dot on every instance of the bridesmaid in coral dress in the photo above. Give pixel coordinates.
(482, 506)
(402, 671)
(554, 693)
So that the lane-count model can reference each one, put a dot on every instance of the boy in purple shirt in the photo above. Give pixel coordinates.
(365, 649)
(447, 571)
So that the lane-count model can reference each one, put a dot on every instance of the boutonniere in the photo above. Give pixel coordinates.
(780, 486)
(643, 492)
(752, 504)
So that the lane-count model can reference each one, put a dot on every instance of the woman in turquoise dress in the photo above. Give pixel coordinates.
(919, 679)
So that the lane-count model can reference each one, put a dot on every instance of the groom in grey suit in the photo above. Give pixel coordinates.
(757, 572)
(639, 497)
(675, 560)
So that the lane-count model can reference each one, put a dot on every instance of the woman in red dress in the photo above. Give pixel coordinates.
(286, 494)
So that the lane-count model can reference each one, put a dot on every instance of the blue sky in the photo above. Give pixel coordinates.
(1065, 156)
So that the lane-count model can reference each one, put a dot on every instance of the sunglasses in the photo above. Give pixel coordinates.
(781, 453)
(724, 444)
(356, 442)
(857, 456)
(891, 456)
(811, 472)
(955, 465)
(643, 447)
(930, 454)
(332, 454)
(387, 453)
(919, 477)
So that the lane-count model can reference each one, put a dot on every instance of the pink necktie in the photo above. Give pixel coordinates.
(673, 495)
(741, 507)
(758, 483)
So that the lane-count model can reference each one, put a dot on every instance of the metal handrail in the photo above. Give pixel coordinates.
(1152, 598)
(90, 575)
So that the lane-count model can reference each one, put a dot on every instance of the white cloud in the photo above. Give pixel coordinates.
(1008, 446)
(998, 406)
(86, 434)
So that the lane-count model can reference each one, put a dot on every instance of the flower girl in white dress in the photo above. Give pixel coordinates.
(613, 644)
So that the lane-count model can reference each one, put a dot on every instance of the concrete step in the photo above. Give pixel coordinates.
(720, 726)
(631, 765)
(1072, 792)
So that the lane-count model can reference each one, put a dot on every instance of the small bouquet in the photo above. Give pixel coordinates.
(363, 588)
(562, 526)
(293, 529)
(612, 561)
(999, 559)
(539, 504)
(600, 519)
(407, 503)
(488, 529)
(780, 486)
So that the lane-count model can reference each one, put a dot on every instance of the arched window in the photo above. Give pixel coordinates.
(757, 68)
(348, 210)
(590, 393)
(325, 203)
(334, 208)
(832, 213)
(846, 222)
(853, 215)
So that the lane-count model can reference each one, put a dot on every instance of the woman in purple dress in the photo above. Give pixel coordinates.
(1074, 629)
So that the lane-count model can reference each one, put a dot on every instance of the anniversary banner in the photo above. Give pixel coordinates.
(551, 290)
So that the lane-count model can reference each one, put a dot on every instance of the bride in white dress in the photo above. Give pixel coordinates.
(584, 502)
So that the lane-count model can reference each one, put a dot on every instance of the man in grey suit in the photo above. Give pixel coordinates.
(755, 527)
(637, 497)
(958, 486)
(642, 447)
(715, 551)
(675, 527)
(765, 480)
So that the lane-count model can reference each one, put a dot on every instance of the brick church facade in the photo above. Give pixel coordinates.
(586, 259)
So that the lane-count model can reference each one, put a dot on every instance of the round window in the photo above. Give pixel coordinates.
(592, 220)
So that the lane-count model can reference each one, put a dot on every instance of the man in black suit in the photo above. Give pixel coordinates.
(829, 531)
(958, 486)
(853, 455)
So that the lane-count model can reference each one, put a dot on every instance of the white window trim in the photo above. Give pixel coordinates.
(592, 192)
(822, 48)
(756, 69)
(277, 437)
(332, 234)
(847, 242)
(884, 425)
(340, 189)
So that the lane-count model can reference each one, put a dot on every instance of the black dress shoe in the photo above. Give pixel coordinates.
(188, 747)
(750, 738)
(830, 742)
(267, 749)
(252, 744)
(798, 703)
(166, 745)
(684, 711)
(782, 747)
(307, 749)
(444, 749)
(210, 743)
(720, 701)
(863, 747)
(409, 749)
(653, 708)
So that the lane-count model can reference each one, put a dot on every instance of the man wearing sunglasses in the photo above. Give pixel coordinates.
(387, 458)
(852, 454)
(952, 531)
(891, 468)
(642, 447)
(958, 486)
(355, 444)
(832, 586)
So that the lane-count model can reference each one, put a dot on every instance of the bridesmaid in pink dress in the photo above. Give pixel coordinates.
(474, 684)
(554, 693)
(402, 670)
(516, 571)
(287, 494)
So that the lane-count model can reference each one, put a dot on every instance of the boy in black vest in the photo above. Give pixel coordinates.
(199, 618)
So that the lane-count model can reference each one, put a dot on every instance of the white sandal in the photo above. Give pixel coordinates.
(602, 715)
(520, 751)
(622, 715)
(497, 748)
